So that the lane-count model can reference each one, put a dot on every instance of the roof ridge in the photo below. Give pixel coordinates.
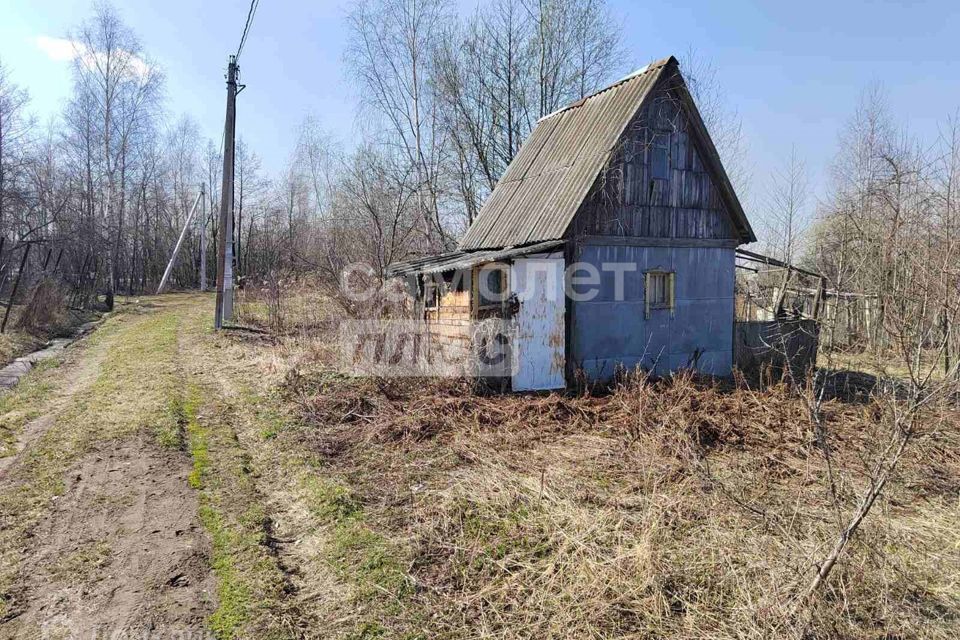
(652, 66)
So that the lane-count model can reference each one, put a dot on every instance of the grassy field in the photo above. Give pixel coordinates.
(339, 507)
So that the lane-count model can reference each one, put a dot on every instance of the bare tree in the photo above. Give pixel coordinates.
(886, 231)
(113, 78)
(251, 187)
(391, 52)
(511, 63)
(14, 126)
(788, 217)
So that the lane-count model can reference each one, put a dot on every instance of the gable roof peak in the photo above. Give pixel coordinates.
(539, 194)
(654, 66)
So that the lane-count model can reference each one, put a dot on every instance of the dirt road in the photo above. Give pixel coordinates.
(100, 528)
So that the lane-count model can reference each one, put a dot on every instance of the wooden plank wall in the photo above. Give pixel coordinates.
(449, 323)
(629, 200)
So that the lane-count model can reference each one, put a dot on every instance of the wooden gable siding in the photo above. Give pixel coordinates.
(656, 184)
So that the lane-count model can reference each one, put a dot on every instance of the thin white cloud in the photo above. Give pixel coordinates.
(65, 50)
(57, 49)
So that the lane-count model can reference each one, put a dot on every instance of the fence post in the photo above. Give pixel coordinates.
(16, 285)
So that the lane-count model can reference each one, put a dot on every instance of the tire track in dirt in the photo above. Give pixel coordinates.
(77, 374)
(120, 552)
(229, 369)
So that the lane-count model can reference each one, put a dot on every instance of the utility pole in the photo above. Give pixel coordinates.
(224, 310)
(203, 237)
(176, 249)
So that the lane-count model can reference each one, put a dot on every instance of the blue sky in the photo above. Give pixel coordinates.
(792, 70)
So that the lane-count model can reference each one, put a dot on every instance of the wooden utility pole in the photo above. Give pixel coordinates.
(203, 239)
(224, 310)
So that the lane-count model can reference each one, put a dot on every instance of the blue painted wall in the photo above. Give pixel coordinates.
(606, 332)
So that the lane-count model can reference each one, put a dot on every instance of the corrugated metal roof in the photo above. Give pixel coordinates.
(542, 189)
(465, 259)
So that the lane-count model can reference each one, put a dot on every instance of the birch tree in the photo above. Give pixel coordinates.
(112, 77)
(390, 53)
(14, 126)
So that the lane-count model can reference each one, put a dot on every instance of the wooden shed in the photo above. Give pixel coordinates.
(608, 243)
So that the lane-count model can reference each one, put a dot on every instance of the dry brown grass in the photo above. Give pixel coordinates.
(285, 305)
(46, 308)
(14, 344)
(414, 508)
(680, 508)
(43, 316)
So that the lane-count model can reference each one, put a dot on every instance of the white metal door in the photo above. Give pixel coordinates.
(538, 337)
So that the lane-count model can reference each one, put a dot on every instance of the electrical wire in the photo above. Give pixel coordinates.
(246, 29)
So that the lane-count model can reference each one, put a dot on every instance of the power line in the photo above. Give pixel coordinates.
(246, 29)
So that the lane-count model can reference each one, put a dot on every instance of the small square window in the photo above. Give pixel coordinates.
(658, 291)
(491, 285)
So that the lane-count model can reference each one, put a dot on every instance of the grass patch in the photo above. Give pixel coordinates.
(358, 553)
(80, 565)
(170, 432)
(14, 344)
(369, 562)
(250, 585)
(24, 403)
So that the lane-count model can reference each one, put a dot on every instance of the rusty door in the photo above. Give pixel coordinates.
(538, 324)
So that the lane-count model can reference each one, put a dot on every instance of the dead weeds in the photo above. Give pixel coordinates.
(681, 507)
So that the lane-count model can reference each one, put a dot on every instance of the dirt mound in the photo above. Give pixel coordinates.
(122, 552)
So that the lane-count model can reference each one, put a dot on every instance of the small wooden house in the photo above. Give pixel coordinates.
(608, 243)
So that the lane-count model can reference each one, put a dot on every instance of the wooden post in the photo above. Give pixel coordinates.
(16, 285)
(781, 294)
(818, 298)
(224, 308)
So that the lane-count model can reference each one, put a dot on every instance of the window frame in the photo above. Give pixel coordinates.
(479, 276)
(660, 143)
(669, 285)
(431, 293)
